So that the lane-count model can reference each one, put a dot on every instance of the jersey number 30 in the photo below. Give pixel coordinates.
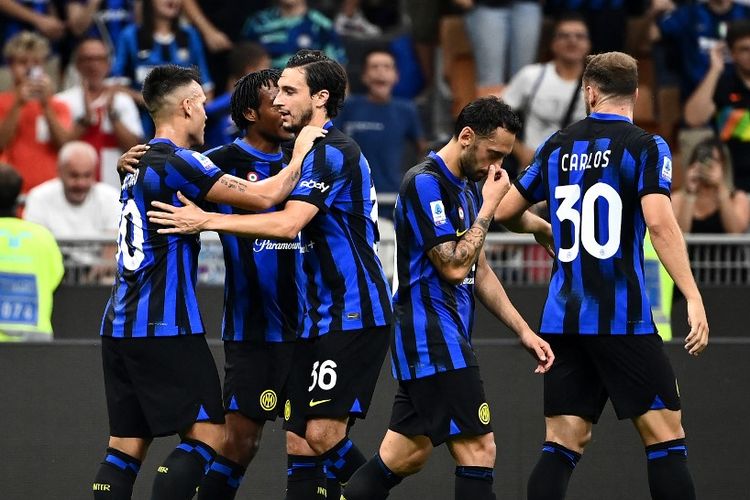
(130, 240)
(584, 222)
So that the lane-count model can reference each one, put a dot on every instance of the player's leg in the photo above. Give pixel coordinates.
(340, 387)
(117, 472)
(129, 430)
(574, 398)
(255, 375)
(185, 398)
(666, 455)
(399, 456)
(642, 386)
(306, 478)
(475, 463)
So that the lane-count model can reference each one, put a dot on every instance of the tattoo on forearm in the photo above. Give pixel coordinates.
(464, 251)
(235, 184)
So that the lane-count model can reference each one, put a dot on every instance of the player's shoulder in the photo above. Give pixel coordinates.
(424, 174)
(192, 158)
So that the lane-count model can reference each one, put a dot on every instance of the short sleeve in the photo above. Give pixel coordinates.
(129, 116)
(426, 212)
(529, 182)
(192, 174)
(656, 168)
(519, 87)
(322, 177)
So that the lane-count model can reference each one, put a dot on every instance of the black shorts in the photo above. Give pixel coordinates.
(255, 378)
(632, 371)
(158, 386)
(442, 407)
(334, 376)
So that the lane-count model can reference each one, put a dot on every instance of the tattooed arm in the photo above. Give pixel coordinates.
(265, 194)
(454, 259)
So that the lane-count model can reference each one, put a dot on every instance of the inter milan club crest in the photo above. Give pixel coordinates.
(461, 213)
(252, 177)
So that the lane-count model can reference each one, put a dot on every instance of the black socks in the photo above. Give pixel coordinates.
(668, 474)
(550, 477)
(116, 475)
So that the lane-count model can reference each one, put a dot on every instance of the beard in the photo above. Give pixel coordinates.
(300, 123)
(467, 162)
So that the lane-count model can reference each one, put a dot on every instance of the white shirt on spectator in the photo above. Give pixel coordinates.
(98, 215)
(102, 136)
(545, 110)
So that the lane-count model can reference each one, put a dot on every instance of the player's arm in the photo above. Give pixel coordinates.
(265, 194)
(512, 212)
(670, 247)
(454, 259)
(491, 294)
(190, 219)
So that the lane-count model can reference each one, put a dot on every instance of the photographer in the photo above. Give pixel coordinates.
(708, 201)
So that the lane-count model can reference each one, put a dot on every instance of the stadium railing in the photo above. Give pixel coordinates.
(716, 260)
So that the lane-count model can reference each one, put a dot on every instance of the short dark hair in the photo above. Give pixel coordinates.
(322, 73)
(569, 16)
(737, 30)
(244, 55)
(246, 94)
(376, 50)
(163, 80)
(615, 73)
(10, 188)
(485, 115)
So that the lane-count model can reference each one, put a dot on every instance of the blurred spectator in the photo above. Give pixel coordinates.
(708, 202)
(380, 123)
(607, 19)
(103, 19)
(220, 24)
(724, 98)
(244, 58)
(159, 39)
(105, 118)
(692, 30)
(548, 95)
(31, 267)
(75, 204)
(33, 124)
(351, 22)
(290, 26)
(505, 37)
(35, 16)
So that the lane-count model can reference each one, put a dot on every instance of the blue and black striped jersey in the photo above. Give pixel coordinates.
(262, 297)
(154, 290)
(345, 286)
(593, 175)
(433, 318)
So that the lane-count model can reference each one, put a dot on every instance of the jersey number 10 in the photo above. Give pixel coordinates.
(584, 222)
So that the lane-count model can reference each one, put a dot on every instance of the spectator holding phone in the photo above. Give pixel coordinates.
(33, 124)
(708, 201)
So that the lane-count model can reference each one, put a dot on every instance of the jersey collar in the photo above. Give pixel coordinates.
(161, 140)
(258, 154)
(610, 117)
(328, 124)
(455, 180)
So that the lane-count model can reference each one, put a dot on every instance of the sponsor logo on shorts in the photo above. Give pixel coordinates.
(484, 413)
(287, 410)
(314, 403)
(268, 400)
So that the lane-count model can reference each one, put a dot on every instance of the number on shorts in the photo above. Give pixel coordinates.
(323, 375)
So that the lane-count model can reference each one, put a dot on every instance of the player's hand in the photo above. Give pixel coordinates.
(128, 162)
(495, 186)
(306, 138)
(539, 349)
(188, 219)
(544, 238)
(697, 340)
